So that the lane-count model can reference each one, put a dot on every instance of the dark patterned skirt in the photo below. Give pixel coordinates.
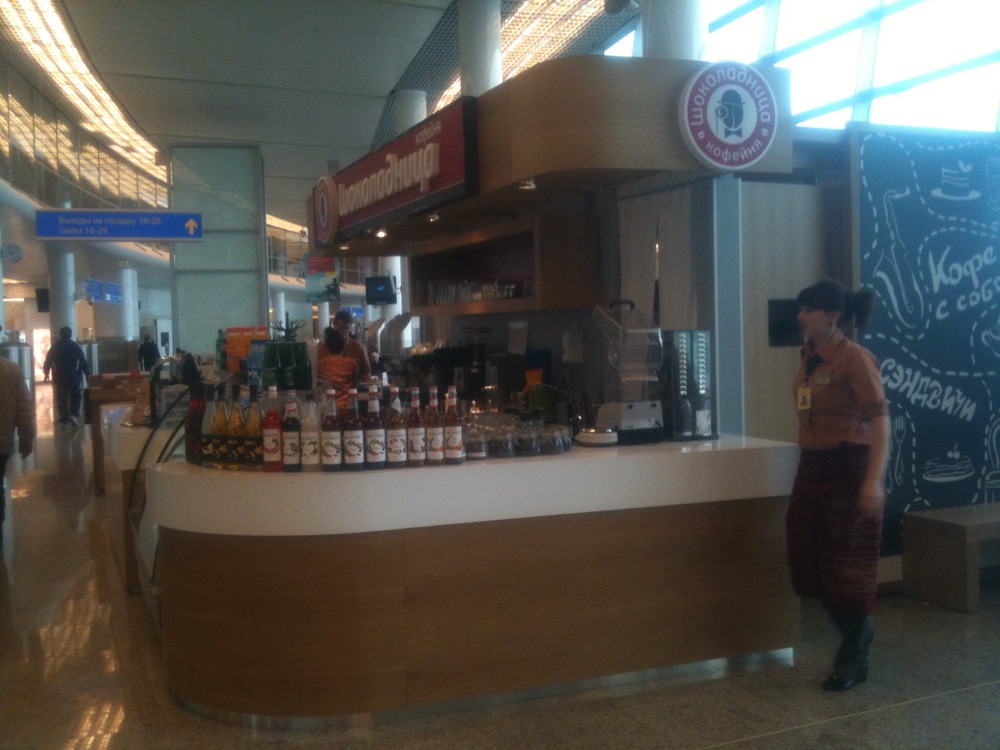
(833, 550)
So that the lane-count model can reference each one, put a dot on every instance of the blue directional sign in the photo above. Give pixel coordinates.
(112, 293)
(95, 288)
(88, 224)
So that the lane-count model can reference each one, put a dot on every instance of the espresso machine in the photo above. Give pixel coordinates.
(632, 408)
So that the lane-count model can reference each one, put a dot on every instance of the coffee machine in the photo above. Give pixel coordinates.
(632, 408)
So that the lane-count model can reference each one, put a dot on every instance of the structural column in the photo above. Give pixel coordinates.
(220, 281)
(479, 45)
(323, 316)
(130, 304)
(62, 283)
(278, 316)
(673, 29)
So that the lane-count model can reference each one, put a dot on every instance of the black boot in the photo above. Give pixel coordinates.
(851, 664)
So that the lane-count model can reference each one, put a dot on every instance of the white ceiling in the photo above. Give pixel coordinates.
(306, 80)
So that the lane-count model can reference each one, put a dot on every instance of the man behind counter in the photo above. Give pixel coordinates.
(352, 347)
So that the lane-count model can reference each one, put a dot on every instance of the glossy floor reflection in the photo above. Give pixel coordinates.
(79, 664)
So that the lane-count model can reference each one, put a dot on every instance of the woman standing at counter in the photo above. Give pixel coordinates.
(834, 522)
(336, 368)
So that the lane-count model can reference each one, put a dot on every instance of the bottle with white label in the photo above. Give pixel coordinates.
(374, 432)
(353, 434)
(291, 435)
(416, 433)
(454, 447)
(330, 440)
(435, 430)
(272, 433)
(310, 436)
(395, 432)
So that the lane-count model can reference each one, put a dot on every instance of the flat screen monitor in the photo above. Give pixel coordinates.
(379, 290)
(783, 322)
(42, 299)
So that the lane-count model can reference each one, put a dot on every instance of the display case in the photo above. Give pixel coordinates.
(538, 262)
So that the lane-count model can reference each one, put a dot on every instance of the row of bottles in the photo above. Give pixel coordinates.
(223, 434)
(294, 437)
(326, 440)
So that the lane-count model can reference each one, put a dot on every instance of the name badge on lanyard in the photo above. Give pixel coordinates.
(805, 398)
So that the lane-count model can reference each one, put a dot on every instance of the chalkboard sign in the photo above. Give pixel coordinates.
(930, 248)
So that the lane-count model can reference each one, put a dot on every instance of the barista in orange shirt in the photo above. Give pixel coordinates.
(352, 347)
(834, 523)
(336, 368)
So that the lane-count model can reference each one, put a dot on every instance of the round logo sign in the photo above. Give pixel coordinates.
(326, 213)
(728, 116)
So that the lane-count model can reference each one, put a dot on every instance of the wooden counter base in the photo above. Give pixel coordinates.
(330, 625)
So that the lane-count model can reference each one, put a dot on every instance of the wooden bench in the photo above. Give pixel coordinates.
(941, 553)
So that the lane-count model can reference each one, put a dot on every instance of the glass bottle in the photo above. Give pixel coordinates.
(435, 430)
(310, 436)
(219, 447)
(236, 432)
(291, 435)
(395, 432)
(330, 439)
(454, 448)
(272, 433)
(416, 433)
(353, 434)
(207, 420)
(192, 424)
(253, 451)
(374, 431)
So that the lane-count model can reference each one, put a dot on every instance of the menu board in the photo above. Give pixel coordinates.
(930, 248)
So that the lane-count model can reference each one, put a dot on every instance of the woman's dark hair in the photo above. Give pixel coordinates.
(333, 340)
(832, 296)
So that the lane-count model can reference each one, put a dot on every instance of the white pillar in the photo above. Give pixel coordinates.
(411, 108)
(62, 283)
(279, 309)
(479, 60)
(323, 316)
(673, 29)
(130, 304)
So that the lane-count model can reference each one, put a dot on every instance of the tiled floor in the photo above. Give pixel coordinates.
(79, 664)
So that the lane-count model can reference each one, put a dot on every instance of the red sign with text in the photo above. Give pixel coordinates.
(429, 165)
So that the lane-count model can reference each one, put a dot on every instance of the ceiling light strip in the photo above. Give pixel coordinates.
(39, 30)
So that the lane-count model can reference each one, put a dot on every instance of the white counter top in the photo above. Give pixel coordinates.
(191, 498)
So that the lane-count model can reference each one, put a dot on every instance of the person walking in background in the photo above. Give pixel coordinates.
(834, 522)
(17, 414)
(68, 365)
(149, 353)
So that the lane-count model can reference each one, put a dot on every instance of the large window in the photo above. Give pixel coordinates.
(925, 63)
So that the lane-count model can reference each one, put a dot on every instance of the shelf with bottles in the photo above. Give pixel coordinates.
(537, 262)
(283, 364)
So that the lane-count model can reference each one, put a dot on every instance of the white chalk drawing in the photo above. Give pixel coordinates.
(952, 467)
(930, 249)
(893, 269)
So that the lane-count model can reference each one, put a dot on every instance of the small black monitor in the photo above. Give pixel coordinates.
(42, 299)
(783, 322)
(379, 290)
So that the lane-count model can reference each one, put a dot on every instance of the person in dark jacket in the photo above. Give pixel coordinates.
(68, 365)
(149, 353)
